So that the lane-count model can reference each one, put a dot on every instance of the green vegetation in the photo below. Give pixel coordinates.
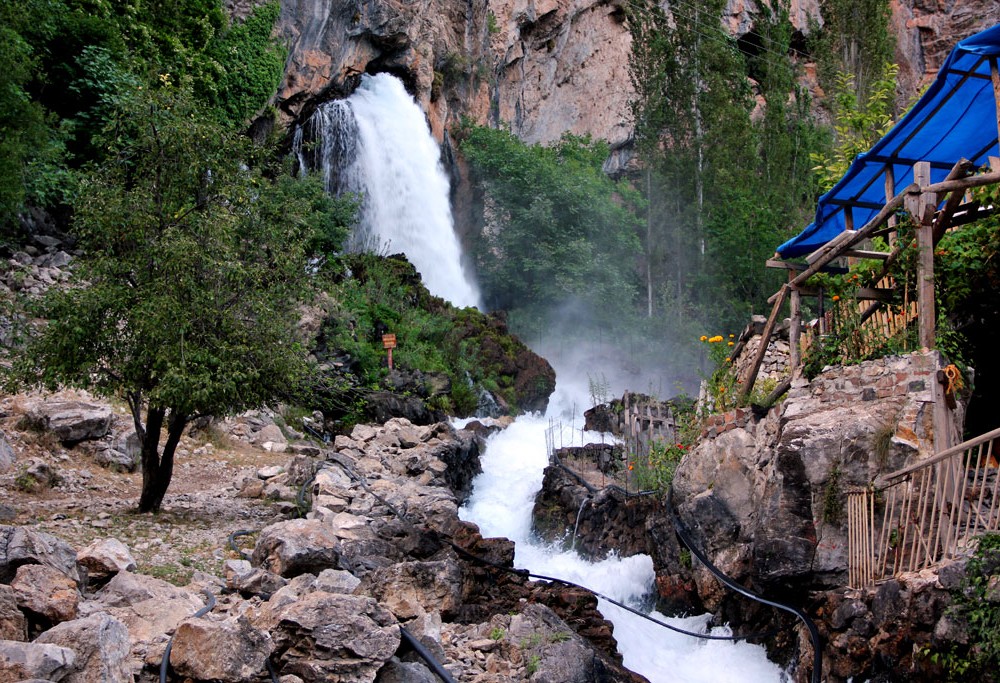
(976, 608)
(558, 229)
(726, 181)
(458, 351)
(185, 301)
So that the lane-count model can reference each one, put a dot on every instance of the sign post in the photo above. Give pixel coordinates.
(389, 343)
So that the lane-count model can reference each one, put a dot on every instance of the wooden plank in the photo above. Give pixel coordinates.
(862, 253)
(873, 294)
(836, 242)
(765, 338)
(794, 330)
(995, 76)
(923, 212)
(798, 267)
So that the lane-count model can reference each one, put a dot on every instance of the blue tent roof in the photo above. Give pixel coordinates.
(955, 118)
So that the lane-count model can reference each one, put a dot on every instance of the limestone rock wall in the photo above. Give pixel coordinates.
(544, 67)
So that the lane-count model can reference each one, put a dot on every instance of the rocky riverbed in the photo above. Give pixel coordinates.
(93, 591)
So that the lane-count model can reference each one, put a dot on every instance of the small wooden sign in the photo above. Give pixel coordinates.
(388, 341)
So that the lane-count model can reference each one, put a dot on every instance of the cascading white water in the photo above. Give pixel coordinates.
(376, 143)
(501, 503)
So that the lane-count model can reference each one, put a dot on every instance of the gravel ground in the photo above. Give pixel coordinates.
(190, 533)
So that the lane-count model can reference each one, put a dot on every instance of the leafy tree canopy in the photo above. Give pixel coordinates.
(558, 229)
(184, 304)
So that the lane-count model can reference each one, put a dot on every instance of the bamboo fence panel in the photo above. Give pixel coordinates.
(918, 516)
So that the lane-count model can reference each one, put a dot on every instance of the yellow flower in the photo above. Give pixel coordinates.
(729, 360)
(704, 338)
(732, 336)
(731, 343)
(717, 338)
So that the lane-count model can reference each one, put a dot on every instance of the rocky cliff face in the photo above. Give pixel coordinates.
(543, 67)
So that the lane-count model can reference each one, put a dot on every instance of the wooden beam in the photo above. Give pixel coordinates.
(765, 338)
(794, 329)
(872, 225)
(922, 208)
(873, 294)
(995, 76)
(863, 253)
(841, 239)
(798, 267)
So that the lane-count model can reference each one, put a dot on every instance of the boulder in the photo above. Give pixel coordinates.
(23, 661)
(295, 547)
(412, 588)
(148, 606)
(45, 592)
(231, 650)
(243, 577)
(13, 625)
(21, 545)
(105, 557)
(7, 455)
(70, 421)
(102, 648)
(327, 636)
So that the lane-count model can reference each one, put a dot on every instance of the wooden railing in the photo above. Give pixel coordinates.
(917, 516)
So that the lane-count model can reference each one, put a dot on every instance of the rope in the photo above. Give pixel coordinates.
(953, 378)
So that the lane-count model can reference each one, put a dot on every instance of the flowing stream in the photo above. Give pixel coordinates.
(377, 144)
(501, 503)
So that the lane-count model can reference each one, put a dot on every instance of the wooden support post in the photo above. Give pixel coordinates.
(765, 338)
(921, 206)
(794, 328)
(890, 192)
(995, 74)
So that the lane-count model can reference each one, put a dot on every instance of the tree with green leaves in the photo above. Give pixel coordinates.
(724, 134)
(559, 229)
(195, 259)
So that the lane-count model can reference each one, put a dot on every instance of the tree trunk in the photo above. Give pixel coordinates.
(157, 468)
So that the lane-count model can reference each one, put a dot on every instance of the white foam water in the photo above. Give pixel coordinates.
(500, 504)
(376, 143)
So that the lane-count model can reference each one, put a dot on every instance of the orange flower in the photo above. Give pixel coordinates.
(630, 468)
(835, 297)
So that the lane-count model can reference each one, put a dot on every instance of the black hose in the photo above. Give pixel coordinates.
(425, 654)
(232, 543)
(732, 585)
(165, 662)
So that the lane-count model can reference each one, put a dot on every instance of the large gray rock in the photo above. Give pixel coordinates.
(7, 455)
(102, 647)
(295, 547)
(331, 637)
(148, 606)
(13, 625)
(22, 545)
(231, 650)
(105, 557)
(45, 592)
(410, 589)
(22, 661)
(70, 421)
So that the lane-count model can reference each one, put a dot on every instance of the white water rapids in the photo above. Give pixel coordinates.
(501, 504)
(376, 143)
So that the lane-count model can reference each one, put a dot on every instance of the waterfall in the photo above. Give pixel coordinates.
(501, 503)
(376, 143)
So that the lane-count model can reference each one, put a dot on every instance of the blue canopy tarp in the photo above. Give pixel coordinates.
(956, 118)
